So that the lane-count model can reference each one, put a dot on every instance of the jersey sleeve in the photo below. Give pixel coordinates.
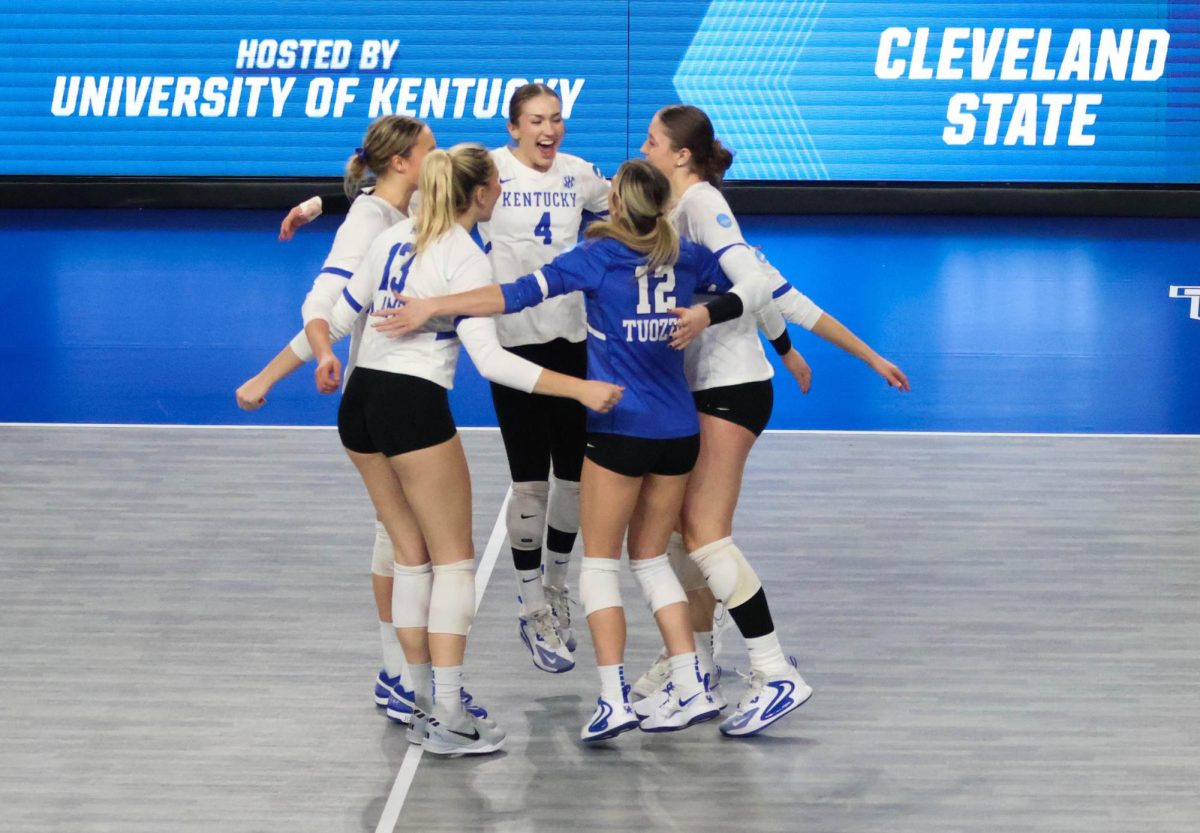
(793, 304)
(350, 244)
(594, 189)
(714, 226)
(576, 270)
(492, 361)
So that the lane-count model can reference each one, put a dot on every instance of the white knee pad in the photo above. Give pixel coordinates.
(562, 512)
(728, 573)
(383, 556)
(658, 582)
(452, 600)
(599, 584)
(411, 587)
(526, 517)
(685, 568)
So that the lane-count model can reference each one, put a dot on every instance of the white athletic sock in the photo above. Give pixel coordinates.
(766, 655)
(447, 688)
(685, 675)
(533, 596)
(422, 685)
(612, 682)
(704, 649)
(556, 566)
(393, 654)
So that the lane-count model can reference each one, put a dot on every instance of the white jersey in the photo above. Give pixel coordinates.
(537, 218)
(731, 353)
(369, 216)
(452, 263)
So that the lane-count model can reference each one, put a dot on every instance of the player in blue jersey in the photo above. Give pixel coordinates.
(730, 379)
(638, 281)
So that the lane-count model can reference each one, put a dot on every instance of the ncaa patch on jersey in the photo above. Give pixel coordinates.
(724, 220)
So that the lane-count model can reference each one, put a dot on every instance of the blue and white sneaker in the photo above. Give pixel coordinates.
(473, 708)
(400, 704)
(657, 676)
(611, 718)
(712, 684)
(768, 699)
(560, 603)
(383, 687)
(539, 632)
(668, 713)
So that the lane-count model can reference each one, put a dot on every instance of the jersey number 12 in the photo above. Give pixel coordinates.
(664, 282)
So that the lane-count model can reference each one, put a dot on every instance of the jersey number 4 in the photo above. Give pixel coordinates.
(542, 229)
(664, 282)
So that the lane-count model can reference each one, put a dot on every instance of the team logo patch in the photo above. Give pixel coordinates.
(568, 182)
(724, 220)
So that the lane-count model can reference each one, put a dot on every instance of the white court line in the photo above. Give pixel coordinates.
(408, 767)
(813, 431)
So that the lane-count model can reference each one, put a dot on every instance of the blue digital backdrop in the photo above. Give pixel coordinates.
(1067, 91)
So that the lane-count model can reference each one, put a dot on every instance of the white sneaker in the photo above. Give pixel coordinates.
(539, 632)
(654, 679)
(712, 684)
(768, 699)
(670, 714)
(560, 603)
(460, 733)
(611, 718)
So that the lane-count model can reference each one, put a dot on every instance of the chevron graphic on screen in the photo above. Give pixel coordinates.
(1042, 91)
(754, 112)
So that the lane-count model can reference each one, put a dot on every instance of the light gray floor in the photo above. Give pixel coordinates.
(1003, 634)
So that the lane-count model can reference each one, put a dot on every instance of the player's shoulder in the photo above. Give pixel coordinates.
(704, 197)
(578, 166)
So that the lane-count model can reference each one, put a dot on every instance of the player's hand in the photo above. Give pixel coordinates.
(294, 219)
(412, 314)
(798, 367)
(893, 375)
(252, 395)
(690, 323)
(329, 374)
(601, 397)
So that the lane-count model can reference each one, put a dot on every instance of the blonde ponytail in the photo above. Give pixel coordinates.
(641, 223)
(448, 179)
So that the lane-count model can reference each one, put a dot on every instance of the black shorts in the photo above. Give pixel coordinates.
(540, 430)
(747, 405)
(639, 456)
(391, 413)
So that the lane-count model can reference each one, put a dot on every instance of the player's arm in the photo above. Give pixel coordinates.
(311, 209)
(498, 365)
(575, 270)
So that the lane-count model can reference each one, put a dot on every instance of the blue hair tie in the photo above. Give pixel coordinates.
(360, 154)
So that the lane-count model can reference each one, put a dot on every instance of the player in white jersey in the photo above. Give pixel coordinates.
(396, 426)
(392, 151)
(638, 280)
(730, 379)
(547, 198)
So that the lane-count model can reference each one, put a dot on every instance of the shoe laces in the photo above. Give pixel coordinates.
(561, 601)
(755, 682)
(544, 626)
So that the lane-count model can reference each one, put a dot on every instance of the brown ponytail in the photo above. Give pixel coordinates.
(387, 136)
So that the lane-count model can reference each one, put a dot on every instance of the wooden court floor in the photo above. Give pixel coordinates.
(1003, 633)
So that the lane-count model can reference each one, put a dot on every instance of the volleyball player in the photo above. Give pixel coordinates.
(636, 277)
(548, 197)
(396, 426)
(391, 155)
(730, 380)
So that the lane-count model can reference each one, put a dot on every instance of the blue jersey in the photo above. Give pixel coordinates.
(630, 328)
